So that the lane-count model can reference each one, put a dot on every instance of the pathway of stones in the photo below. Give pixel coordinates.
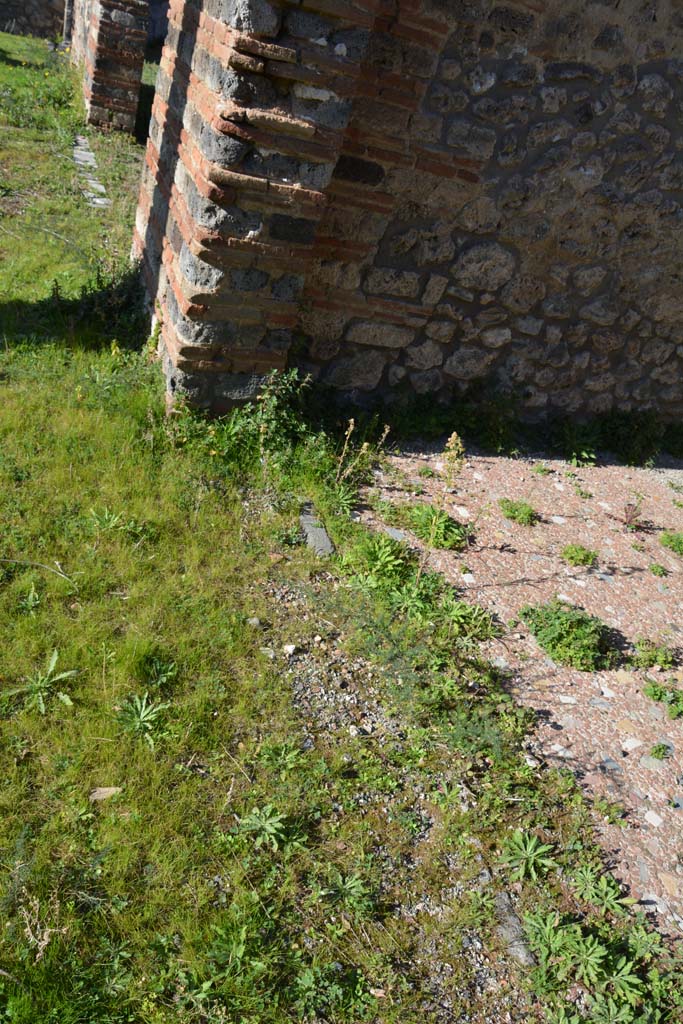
(84, 158)
(599, 724)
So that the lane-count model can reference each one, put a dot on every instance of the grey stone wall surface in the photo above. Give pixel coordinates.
(552, 266)
(423, 195)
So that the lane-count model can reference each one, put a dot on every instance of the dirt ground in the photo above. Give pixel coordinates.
(599, 724)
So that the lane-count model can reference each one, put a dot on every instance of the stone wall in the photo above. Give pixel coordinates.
(32, 17)
(423, 194)
(108, 38)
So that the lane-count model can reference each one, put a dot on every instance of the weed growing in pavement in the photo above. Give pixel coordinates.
(570, 636)
(437, 528)
(611, 810)
(576, 554)
(673, 541)
(540, 469)
(519, 512)
(660, 751)
(579, 490)
(671, 696)
(658, 570)
(454, 458)
(631, 517)
(648, 654)
(432, 525)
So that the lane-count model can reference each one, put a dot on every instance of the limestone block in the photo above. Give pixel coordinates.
(485, 266)
(362, 371)
(424, 356)
(468, 363)
(367, 332)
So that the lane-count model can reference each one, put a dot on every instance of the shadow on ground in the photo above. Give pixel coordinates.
(12, 62)
(109, 308)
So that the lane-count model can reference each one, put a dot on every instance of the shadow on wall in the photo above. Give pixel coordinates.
(168, 146)
(158, 22)
(158, 27)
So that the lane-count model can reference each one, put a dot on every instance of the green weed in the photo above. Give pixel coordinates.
(432, 525)
(265, 826)
(601, 889)
(519, 512)
(671, 696)
(612, 973)
(39, 689)
(576, 554)
(673, 541)
(570, 636)
(527, 856)
(648, 654)
(141, 717)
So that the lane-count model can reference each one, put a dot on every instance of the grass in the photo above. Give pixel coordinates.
(184, 839)
(54, 249)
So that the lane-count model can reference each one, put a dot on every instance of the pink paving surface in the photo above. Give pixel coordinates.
(599, 724)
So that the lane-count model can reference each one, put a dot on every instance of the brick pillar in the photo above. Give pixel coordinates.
(109, 36)
(253, 100)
